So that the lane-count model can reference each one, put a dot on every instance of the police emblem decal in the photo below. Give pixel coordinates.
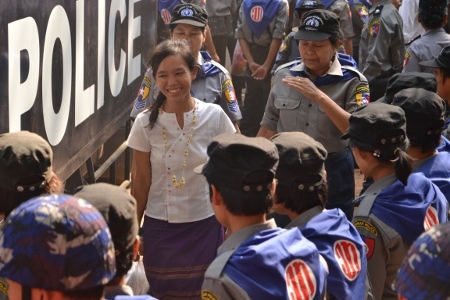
(187, 12)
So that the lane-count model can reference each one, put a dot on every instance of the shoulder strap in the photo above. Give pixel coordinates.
(288, 64)
(361, 76)
(377, 10)
(411, 41)
(369, 197)
(219, 264)
(222, 68)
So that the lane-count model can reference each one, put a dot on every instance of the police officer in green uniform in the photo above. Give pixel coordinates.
(360, 16)
(289, 48)
(432, 16)
(260, 31)
(316, 95)
(342, 9)
(382, 46)
(220, 21)
(165, 8)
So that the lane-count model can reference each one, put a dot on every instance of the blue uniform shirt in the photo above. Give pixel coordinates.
(341, 246)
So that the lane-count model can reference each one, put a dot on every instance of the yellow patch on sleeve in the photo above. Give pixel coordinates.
(374, 27)
(207, 295)
(362, 94)
(407, 56)
(228, 89)
(3, 288)
(367, 226)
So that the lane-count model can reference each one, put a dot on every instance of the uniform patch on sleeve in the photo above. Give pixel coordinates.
(374, 27)
(407, 56)
(362, 12)
(348, 258)
(300, 280)
(367, 226)
(349, 12)
(285, 44)
(143, 93)
(362, 94)
(230, 95)
(3, 288)
(369, 245)
(207, 295)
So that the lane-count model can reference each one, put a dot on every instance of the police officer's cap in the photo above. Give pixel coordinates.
(302, 160)
(442, 61)
(424, 110)
(401, 81)
(318, 25)
(240, 163)
(377, 124)
(306, 5)
(190, 14)
(25, 161)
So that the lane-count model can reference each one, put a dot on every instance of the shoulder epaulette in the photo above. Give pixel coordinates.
(210, 66)
(360, 75)
(218, 65)
(286, 65)
(377, 10)
(411, 41)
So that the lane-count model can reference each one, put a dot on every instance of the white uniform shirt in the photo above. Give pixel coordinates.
(191, 202)
(409, 11)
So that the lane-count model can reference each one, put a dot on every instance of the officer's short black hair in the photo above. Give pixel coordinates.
(432, 12)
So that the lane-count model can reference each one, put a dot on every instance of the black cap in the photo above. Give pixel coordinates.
(441, 61)
(306, 5)
(318, 25)
(25, 157)
(424, 110)
(240, 163)
(302, 160)
(401, 81)
(189, 14)
(118, 208)
(377, 124)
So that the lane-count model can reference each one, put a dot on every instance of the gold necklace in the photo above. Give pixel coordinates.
(175, 182)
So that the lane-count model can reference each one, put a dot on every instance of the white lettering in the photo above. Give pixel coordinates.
(134, 30)
(22, 35)
(101, 53)
(116, 76)
(24, 70)
(58, 28)
(84, 99)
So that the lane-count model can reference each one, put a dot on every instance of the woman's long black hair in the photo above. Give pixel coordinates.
(162, 51)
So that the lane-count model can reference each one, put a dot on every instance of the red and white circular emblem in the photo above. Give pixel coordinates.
(257, 13)
(300, 280)
(166, 16)
(348, 258)
(431, 218)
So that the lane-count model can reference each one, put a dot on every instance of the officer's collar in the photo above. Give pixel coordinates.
(335, 68)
